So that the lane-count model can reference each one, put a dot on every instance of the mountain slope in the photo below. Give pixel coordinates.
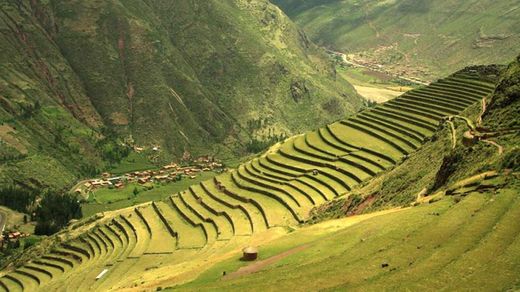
(78, 77)
(174, 240)
(425, 38)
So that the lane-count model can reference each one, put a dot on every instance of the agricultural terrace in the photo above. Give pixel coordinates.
(266, 195)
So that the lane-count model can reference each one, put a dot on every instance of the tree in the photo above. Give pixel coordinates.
(136, 191)
(55, 212)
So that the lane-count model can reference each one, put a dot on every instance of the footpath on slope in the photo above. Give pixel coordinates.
(327, 226)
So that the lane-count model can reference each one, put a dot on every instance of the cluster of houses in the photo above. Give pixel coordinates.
(11, 237)
(168, 173)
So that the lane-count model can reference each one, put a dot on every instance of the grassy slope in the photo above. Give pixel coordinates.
(465, 242)
(184, 82)
(436, 238)
(441, 36)
(445, 245)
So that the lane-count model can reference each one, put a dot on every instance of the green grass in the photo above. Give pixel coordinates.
(418, 243)
(430, 246)
(133, 162)
(112, 199)
(429, 42)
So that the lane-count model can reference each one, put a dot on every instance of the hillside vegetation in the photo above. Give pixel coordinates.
(172, 241)
(425, 39)
(79, 78)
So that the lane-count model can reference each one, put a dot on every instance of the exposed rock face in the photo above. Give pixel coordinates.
(299, 90)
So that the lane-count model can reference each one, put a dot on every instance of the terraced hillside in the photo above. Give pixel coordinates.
(267, 195)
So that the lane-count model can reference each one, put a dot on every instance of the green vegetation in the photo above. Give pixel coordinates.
(80, 79)
(133, 162)
(425, 39)
(372, 161)
(132, 194)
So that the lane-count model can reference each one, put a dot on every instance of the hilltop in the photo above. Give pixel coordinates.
(82, 81)
(424, 39)
(449, 197)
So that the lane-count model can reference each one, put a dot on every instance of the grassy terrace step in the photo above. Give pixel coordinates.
(230, 189)
(289, 192)
(340, 179)
(404, 128)
(329, 176)
(449, 93)
(29, 281)
(299, 195)
(140, 231)
(118, 248)
(255, 168)
(328, 138)
(55, 268)
(59, 260)
(116, 234)
(378, 139)
(435, 101)
(209, 229)
(310, 184)
(124, 246)
(315, 141)
(366, 143)
(468, 93)
(188, 236)
(128, 233)
(409, 118)
(161, 240)
(361, 168)
(73, 257)
(447, 98)
(221, 221)
(101, 245)
(36, 273)
(241, 215)
(462, 87)
(310, 193)
(480, 88)
(357, 169)
(391, 132)
(320, 183)
(464, 84)
(425, 107)
(36, 277)
(268, 198)
(42, 273)
(282, 172)
(479, 83)
(408, 109)
(12, 283)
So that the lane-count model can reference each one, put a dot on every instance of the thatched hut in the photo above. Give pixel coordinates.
(250, 253)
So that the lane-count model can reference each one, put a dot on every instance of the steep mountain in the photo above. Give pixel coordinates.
(79, 77)
(381, 158)
(426, 39)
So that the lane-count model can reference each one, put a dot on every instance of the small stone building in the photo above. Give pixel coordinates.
(250, 253)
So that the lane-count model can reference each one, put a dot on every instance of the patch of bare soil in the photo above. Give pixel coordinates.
(259, 265)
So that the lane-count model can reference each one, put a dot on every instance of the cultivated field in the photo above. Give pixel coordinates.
(175, 239)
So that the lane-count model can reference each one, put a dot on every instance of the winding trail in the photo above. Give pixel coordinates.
(500, 147)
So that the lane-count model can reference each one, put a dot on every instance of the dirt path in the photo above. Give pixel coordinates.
(453, 135)
(482, 112)
(500, 148)
(257, 266)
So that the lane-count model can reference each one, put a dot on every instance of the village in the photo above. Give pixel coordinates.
(168, 173)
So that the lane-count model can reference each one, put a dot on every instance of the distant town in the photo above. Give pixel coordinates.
(168, 173)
